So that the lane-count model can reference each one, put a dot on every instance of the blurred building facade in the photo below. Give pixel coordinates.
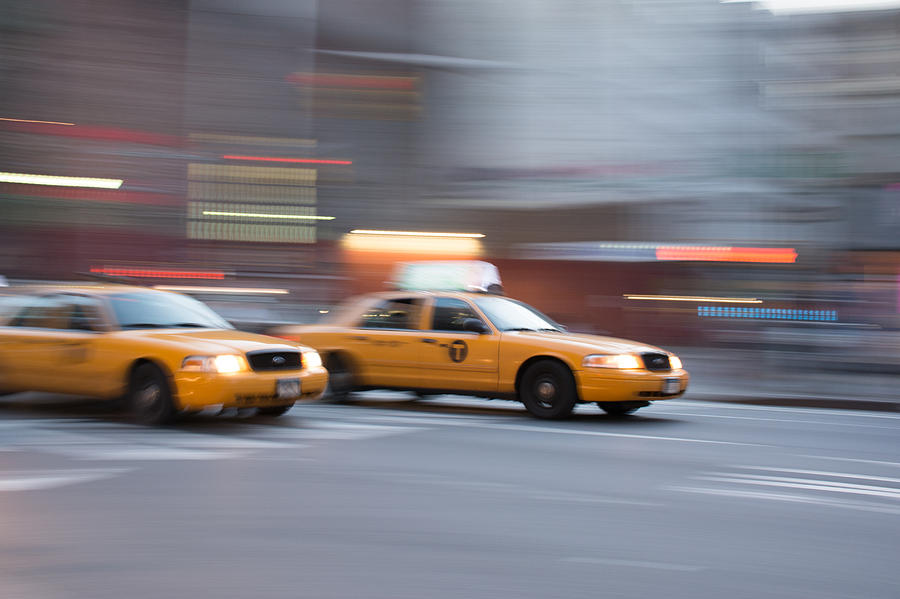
(252, 136)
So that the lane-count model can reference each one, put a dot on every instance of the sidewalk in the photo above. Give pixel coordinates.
(773, 378)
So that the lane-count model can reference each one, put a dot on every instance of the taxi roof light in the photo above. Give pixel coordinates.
(448, 275)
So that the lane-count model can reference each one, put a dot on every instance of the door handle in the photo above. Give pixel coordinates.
(359, 338)
(427, 340)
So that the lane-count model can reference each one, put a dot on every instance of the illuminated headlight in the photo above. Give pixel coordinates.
(675, 362)
(620, 361)
(312, 359)
(224, 364)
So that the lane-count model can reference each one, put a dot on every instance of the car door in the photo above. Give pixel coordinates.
(452, 358)
(27, 362)
(79, 351)
(51, 345)
(385, 342)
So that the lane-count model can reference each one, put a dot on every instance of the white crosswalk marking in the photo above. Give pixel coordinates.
(801, 485)
(98, 441)
(32, 480)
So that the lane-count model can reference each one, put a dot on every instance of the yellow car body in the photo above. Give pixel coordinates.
(426, 342)
(73, 340)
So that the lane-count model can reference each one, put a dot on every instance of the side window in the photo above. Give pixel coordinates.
(392, 314)
(83, 313)
(450, 314)
(59, 312)
(43, 312)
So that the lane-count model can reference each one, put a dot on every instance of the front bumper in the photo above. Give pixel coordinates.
(198, 390)
(606, 384)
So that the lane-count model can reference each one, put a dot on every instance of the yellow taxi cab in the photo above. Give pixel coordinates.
(166, 353)
(483, 344)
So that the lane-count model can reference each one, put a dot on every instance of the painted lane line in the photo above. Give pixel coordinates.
(893, 494)
(881, 508)
(885, 479)
(815, 481)
(787, 421)
(854, 460)
(807, 411)
(37, 480)
(342, 431)
(114, 453)
(576, 498)
(498, 425)
(566, 431)
(633, 564)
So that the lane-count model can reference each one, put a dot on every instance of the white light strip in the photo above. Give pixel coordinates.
(38, 122)
(239, 290)
(787, 7)
(693, 298)
(262, 215)
(416, 233)
(28, 179)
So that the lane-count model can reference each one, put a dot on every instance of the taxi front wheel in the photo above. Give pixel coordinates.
(548, 390)
(149, 396)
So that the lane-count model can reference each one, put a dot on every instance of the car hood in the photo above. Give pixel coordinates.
(213, 341)
(584, 343)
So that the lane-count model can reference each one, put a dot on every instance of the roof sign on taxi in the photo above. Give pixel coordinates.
(450, 275)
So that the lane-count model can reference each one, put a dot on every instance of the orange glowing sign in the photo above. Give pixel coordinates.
(726, 254)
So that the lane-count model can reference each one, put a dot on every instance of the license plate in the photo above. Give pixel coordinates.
(671, 386)
(287, 388)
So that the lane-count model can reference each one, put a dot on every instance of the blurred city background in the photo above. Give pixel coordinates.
(719, 178)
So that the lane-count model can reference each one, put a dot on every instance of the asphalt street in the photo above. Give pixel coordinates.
(391, 498)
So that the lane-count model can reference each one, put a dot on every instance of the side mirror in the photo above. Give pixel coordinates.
(473, 325)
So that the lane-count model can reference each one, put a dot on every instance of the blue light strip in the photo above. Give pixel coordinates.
(767, 313)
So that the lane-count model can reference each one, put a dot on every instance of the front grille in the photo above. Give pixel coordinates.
(654, 361)
(274, 360)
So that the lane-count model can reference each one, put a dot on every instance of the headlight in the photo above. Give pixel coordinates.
(312, 359)
(224, 364)
(621, 361)
(675, 362)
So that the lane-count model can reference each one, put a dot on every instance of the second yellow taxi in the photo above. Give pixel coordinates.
(483, 344)
(166, 353)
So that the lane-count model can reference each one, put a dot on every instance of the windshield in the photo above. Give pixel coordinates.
(160, 310)
(511, 315)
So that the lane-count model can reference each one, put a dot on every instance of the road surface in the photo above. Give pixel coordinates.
(450, 498)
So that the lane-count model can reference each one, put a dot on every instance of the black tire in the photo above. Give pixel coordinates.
(149, 396)
(621, 408)
(340, 378)
(274, 411)
(547, 389)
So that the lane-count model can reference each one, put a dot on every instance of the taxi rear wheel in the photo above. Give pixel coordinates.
(340, 378)
(149, 396)
(548, 390)
(274, 411)
(621, 408)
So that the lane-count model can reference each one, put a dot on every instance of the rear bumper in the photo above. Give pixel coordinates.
(195, 391)
(604, 384)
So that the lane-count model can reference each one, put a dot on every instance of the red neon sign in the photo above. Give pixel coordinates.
(158, 274)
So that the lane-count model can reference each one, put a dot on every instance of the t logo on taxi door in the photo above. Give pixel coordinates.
(458, 350)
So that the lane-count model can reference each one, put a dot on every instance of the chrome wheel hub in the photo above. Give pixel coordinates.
(147, 397)
(546, 390)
